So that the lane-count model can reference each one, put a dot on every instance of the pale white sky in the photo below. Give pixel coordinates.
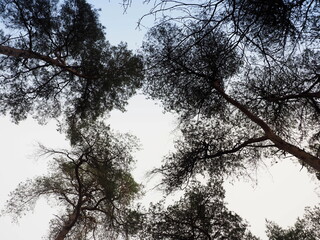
(280, 193)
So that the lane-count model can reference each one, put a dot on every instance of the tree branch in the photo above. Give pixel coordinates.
(237, 148)
(26, 54)
(273, 98)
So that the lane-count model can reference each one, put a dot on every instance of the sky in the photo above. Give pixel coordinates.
(278, 193)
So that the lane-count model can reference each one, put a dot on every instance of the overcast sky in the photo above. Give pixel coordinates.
(278, 193)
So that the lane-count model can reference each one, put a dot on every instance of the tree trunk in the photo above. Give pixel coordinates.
(280, 143)
(67, 226)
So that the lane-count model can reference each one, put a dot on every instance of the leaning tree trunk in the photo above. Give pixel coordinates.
(280, 143)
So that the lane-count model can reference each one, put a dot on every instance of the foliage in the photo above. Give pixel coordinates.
(55, 59)
(244, 77)
(199, 214)
(91, 182)
(182, 74)
(306, 228)
(209, 147)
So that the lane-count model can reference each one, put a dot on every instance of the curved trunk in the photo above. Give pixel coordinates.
(76, 213)
(67, 226)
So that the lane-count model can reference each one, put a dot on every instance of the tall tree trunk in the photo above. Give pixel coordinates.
(280, 143)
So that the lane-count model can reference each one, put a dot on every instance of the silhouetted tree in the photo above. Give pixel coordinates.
(91, 184)
(306, 228)
(199, 214)
(54, 59)
(244, 77)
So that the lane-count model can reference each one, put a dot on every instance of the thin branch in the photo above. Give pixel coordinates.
(239, 147)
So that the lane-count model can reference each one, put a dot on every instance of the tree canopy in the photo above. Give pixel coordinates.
(54, 59)
(91, 184)
(199, 214)
(305, 228)
(244, 77)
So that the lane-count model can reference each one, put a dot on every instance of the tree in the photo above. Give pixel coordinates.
(199, 214)
(244, 77)
(54, 59)
(91, 184)
(306, 228)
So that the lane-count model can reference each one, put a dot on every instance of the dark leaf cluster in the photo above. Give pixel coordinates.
(184, 64)
(211, 149)
(60, 62)
(200, 214)
(305, 228)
